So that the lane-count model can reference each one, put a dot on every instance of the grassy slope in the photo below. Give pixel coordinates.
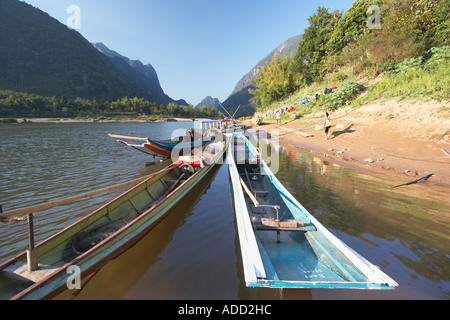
(427, 81)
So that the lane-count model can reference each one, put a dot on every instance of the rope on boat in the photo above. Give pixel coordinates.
(19, 212)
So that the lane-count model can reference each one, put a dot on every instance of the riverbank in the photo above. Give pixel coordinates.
(92, 120)
(410, 138)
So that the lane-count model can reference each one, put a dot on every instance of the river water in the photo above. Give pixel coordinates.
(194, 253)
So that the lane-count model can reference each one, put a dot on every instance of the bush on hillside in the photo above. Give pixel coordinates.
(413, 78)
(406, 65)
(346, 92)
(439, 57)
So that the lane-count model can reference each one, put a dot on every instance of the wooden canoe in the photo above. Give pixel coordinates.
(104, 234)
(170, 148)
(282, 244)
(140, 144)
(166, 148)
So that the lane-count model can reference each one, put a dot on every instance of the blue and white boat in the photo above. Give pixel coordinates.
(282, 244)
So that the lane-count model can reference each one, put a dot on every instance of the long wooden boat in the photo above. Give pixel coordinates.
(140, 144)
(166, 148)
(104, 234)
(282, 244)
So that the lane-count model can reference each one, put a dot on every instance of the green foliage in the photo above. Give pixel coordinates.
(408, 30)
(430, 17)
(350, 27)
(313, 48)
(406, 65)
(414, 79)
(64, 76)
(276, 81)
(438, 58)
(14, 104)
(411, 46)
(346, 92)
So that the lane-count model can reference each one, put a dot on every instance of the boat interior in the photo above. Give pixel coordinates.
(291, 248)
(268, 210)
(69, 244)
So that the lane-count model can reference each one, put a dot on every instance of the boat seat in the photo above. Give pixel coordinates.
(19, 271)
(283, 225)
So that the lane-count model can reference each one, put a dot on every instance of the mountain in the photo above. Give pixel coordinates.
(240, 97)
(40, 55)
(239, 104)
(143, 75)
(286, 49)
(209, 102)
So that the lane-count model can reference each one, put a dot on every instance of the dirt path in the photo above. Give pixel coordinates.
(407, 137)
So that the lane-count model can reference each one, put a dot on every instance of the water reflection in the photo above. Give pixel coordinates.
(44, 162)
(194, 253)
(182, 258)
(397, 232)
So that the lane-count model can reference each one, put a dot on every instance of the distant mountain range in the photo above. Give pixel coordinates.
(240, 97)
(143, 75)
(40, 55)
(209, 102)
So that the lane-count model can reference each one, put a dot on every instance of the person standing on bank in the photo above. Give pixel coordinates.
(278, 117)
(327, 126)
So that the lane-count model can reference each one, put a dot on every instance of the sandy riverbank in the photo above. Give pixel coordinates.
(410, 138)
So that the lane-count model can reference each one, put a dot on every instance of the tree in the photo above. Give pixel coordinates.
(431, 18)
(313, 48)
(350, 27)
(275, 81)
(398, 39)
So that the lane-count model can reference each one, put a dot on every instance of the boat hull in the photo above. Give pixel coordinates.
(52, 252)
(157, 150)
(168, 148)
(282, 244)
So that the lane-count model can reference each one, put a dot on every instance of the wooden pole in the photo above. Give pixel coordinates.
(250, 195)
(127, 137)
(31, 252)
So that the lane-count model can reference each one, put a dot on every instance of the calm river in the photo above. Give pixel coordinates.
(194, 253)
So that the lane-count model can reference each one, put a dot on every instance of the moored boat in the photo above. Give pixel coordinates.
(258, 121)
(282, 244)
(44, 271)
(193, 139)
(169, 148)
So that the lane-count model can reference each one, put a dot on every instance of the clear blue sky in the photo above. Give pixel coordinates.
(199, 48)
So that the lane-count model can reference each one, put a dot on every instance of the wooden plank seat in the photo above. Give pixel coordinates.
(282, 225)
(19, 271)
